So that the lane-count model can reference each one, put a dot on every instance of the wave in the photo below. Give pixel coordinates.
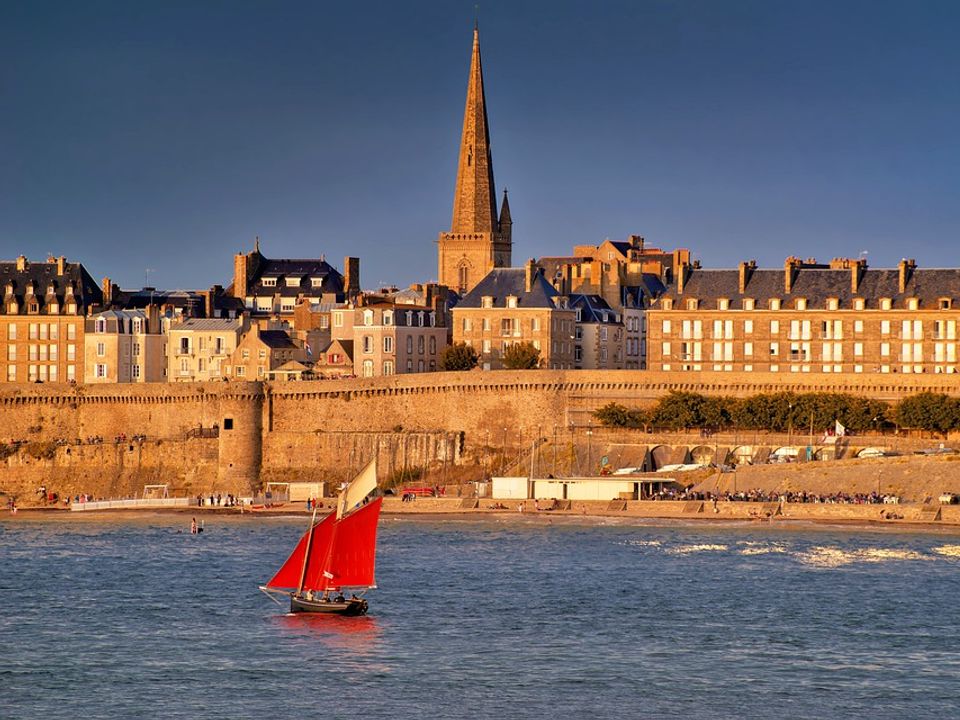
(948, 550)
(833, 557)
(688, 549)
(757, 548)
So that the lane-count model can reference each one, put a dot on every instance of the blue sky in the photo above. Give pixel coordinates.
(167, 135)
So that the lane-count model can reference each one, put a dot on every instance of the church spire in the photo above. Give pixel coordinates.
(474, 202)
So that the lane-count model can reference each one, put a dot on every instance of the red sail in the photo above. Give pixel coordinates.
(351, 560)
(288, 576)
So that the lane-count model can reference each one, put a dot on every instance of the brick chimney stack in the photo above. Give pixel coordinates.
(790, 266)
(61, 265)
(22, 263)
(857, 268)
(682, 269)
(107, 288)
(906, 268)
(746, 270)
(529, 274)
(351, 276)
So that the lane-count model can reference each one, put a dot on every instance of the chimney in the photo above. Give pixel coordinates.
(61, 265)
(530, 274)
(682, 270)
(240, 270)
(208, 302)
(21, 263)
(746, 270)
(906, 268)
(857, 269)
(351, 276)
(107, 288)
(153, 319)
(789, 271)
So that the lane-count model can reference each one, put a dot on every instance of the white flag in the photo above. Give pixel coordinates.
(839, 429)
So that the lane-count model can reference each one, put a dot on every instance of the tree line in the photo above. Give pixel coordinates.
(788, 411)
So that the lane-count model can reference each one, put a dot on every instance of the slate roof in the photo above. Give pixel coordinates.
(817, 285)
(188, 301)
(593, 309)
(42, 275)
(306, 270)
(207, 325)
(277, 339)
(503, 282)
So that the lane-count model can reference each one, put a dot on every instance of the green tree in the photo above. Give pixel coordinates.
(616, 415)
(929, 411)
(459, 356)
(521, 356)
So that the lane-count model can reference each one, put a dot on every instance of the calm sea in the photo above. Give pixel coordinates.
(516, 618)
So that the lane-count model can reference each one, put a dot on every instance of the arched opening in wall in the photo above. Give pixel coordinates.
(462, 278)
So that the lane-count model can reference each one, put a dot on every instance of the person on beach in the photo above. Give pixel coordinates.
(193, 526)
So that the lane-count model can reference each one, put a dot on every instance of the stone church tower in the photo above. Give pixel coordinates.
(478, 241)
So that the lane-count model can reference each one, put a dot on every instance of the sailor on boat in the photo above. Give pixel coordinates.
(336, 553)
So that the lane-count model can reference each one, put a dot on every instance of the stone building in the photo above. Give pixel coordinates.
(261, 354)
(599, 334)
(479, 240)
(335, 360)
(516, 305)
(124, 346)
(841, 317)
(271, 289)
(175, 305)
(42, 319)
(198, 349)
(396, 339)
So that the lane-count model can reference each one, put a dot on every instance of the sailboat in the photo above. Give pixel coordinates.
(335, 554)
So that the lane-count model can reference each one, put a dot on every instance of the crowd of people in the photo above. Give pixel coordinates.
(789, 496)
(218, 500)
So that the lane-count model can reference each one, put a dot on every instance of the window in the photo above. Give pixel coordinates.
(467, 324)
(201, 365)
(71, 332)
(944, 303)
(511, 301)
(368, 317)
(338, 319)
(535, 325)
(420, 366)
(101, 370)
(433, 346)
(388, 345)
(775, 303)
(774, 327)
(11, 353)
(748, 304)
(912, 303)
(486, 301)
(11, 332)
(135, 371)
(578, 333)
(101, 350)
(388, 317)
(34, 331)
(218, 346)
(859, 304)
(506, 327)
(43, 331)
(316, 282)
(420, 345)
(885, 303)
(241, 371)
(388, 367)
(666, 327)
(747, 327)
(367, 344)
(801, 303)
(368, 368)
(832, 303)
(692, 304)
(409, 344)
(269, 282)
(71, 352)
(11, 373)
(723, 304)
(245, 353)
(71, 372)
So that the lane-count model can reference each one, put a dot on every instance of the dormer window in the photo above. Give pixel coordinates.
(723, 304)
(885, 303)
(269, 282)
(72, 308)
(53, 308)
(101, 325)
(368, 317)
(293, 282)
(859, 304)
(801, 304)
(692, 304)
(579, 314)
(912, 303)
(137, 325)
(316, 282)
(774, 303)
(420, 319)
(388, 317)
(833, 303)
(748, 304)
(486, 301)
(944, 303)
(33, 307)
(511, 301)
(667, 304)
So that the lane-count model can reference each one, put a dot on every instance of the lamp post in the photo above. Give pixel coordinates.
(590, 450)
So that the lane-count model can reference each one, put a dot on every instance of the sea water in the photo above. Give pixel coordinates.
(504, 617)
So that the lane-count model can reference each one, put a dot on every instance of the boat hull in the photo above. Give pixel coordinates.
(353, 606)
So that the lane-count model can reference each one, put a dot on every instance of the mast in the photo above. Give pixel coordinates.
(306, 554)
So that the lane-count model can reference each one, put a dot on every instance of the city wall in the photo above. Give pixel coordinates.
(250, 433)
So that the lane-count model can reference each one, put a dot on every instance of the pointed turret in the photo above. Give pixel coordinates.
(474, 201)
(477, 241)
(506, 222)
